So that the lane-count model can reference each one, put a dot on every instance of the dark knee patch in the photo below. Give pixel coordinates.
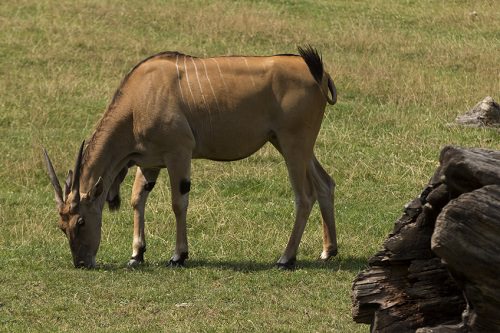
(149, 186)
(185, 186)
(114, 204)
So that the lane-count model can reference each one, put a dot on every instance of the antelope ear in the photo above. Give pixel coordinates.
(96, 190)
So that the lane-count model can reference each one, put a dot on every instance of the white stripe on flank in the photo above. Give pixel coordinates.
(220, 72)
(250, 74)
(202, 95)
(189, 83)
(179, 80)
(199, 84)
(210, 83)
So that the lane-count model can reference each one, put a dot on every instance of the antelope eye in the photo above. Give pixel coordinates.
(80, 221)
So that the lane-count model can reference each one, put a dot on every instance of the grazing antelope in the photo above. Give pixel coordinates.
(171, 108)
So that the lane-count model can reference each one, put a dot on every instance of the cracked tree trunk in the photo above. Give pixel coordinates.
(412, 286)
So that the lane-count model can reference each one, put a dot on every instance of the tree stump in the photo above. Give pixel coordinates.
(445, 245)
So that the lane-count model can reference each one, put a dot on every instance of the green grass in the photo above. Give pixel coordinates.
(403, 69)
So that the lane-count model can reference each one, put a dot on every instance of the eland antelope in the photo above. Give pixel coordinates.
(171, 108)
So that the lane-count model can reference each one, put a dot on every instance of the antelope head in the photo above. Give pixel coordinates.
(80, 214)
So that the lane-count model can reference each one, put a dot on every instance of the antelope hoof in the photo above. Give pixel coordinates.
(325, 255)
(178, 260)
(132, 263)
(286, 266)
(138, 258)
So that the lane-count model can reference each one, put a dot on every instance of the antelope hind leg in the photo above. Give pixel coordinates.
(296, 153)
(324, 186)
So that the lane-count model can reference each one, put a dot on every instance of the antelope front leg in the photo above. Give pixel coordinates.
(179, 170)
(144, 182)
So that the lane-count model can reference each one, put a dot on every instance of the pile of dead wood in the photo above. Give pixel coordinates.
(439, 269)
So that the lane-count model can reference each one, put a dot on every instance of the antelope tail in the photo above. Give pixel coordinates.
(332, 89)
(315, 64)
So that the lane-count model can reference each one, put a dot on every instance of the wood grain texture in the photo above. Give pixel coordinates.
(412, 286)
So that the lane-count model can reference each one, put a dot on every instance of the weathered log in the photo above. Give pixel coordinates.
(407, 286)
(468, 170)
(467, 238)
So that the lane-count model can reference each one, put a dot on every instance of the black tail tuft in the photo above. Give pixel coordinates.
(313, 61)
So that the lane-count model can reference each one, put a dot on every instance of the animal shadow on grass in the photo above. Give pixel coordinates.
(340, 263)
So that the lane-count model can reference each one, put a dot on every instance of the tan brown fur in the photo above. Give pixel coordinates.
(172, 108)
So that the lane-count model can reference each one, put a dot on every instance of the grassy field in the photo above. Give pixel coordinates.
(403, 69)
